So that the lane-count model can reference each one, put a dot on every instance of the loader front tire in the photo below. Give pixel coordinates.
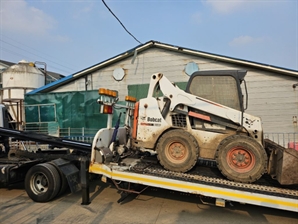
(177, 150)
(42, 182)
(240, 158)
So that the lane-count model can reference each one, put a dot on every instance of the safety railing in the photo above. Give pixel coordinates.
(78, 134)
(287, 140)
(37, 129)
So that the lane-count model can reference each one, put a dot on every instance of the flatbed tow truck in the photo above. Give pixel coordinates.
(205, 181)
(111, 157)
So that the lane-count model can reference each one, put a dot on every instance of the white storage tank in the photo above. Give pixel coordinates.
(19, 79)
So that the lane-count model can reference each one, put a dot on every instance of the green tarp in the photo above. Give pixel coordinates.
(65, 110)
(73, 110)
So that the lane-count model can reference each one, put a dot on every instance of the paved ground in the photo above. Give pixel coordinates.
(153, 206)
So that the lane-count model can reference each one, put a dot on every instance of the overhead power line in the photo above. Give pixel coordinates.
(29, 47)
(35, 54)
(121, 22)
(18, 54)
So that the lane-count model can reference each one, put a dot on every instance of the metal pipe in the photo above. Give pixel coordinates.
(45, 70)
(85, 181)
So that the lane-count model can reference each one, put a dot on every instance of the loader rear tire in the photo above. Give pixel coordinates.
(241, 158)
(177, 150)
(42, 182)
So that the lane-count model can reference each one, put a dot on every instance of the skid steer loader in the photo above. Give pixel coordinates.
(208, 121)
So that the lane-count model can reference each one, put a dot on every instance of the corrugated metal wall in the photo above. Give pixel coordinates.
(273, 98)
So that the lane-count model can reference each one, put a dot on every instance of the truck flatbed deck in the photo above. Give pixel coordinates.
(204, 181)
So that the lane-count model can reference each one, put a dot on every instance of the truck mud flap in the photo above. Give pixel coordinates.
(282, 163)
(5, 173)
(71, 173)
(14, 171)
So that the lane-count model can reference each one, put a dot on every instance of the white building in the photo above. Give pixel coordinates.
(272, 90)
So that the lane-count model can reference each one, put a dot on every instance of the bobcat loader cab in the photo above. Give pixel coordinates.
(206, 121)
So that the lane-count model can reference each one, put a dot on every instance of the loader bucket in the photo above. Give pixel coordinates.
(283, 163)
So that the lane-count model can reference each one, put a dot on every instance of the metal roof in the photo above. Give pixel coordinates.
(151, 44)
(6, 63)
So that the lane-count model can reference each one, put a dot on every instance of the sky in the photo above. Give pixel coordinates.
(70, 35)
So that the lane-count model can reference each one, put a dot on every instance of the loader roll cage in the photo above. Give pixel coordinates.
(225, 90)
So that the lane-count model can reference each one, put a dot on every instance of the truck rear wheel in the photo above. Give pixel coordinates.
(241, 158)
(63, 179)
(42, 182)
(177, 150)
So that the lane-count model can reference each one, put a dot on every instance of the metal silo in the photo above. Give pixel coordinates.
(17, 80)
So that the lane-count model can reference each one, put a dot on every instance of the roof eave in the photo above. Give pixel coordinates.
(153, 43)
(216, 57)
(113, 60)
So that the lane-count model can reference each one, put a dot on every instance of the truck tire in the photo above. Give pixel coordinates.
(63, 180)
(42, 182)
(241, 158)
(177, 150)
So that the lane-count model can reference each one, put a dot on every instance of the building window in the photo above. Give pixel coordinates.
(190, 68)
